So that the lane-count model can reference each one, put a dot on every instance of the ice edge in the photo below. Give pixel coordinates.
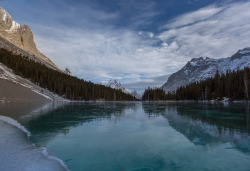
(16, 124)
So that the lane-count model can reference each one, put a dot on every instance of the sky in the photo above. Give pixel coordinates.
(137, 42)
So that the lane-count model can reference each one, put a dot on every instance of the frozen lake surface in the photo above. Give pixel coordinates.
(140, 136)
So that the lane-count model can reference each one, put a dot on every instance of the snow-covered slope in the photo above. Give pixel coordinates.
(202, 68)
(7, 74)
(117, 85)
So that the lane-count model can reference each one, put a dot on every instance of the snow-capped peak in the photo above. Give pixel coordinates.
(202, 68)
(244, 51)
(113, 83)
(200, 60)
(197, 59)
(117, 85)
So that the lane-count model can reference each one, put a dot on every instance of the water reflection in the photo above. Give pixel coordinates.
(142, 136)
(154, 109)
(47, 122)
(16, 110)
(201, 123)
(207, 124)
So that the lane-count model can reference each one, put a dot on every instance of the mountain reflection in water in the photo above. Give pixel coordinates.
(140, 136)
(205, 123)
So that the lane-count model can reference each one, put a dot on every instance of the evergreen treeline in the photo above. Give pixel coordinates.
(234, 85)
(62, 84)
(157, 94)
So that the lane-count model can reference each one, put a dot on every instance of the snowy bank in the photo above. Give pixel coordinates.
(18, 153)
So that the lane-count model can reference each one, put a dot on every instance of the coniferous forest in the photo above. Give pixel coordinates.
(234, 85)
(60, 83)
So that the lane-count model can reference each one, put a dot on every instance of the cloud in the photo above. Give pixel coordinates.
(139, 12)
(152, 82)
(212, 31)
(151, 35)
(97, 55)
(99, 52)
(194, 17)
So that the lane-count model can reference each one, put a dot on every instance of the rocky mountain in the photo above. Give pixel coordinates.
(67, 71)
(135, 94)
(202, 68)
(19, 39)
(117, 85)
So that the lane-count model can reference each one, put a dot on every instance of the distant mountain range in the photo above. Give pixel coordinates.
(117, 85)
(202, 68)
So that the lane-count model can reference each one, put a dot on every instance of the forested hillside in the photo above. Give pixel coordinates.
(62, 84)
(234, 85)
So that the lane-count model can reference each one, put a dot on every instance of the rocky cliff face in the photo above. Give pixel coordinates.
(202, 68)
(20, 36)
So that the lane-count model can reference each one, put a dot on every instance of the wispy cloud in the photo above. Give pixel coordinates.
(106, 54)
(100, 52)
(194, 17)
(219, 33)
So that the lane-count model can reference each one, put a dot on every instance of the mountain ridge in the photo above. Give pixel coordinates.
(21, 37)
(201, 68)
(117, 85)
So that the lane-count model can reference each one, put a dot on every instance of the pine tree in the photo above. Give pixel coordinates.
(58, 82)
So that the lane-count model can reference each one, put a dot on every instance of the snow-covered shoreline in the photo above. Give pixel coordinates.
(7, 74)
(18, 153)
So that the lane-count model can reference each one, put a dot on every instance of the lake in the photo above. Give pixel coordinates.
(138, 136)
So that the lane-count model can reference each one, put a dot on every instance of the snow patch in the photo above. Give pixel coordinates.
(8, 74)
(187, 72)
(5, 16)
(193, 63)
(43, 95)
(117, 85)
(244, 51)
(14, 27)
(225, 99)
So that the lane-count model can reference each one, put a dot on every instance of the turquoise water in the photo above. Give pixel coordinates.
(144, 136)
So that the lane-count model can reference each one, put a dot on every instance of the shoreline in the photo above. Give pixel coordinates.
(15, 88)
(192, 101)
(19, 153)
